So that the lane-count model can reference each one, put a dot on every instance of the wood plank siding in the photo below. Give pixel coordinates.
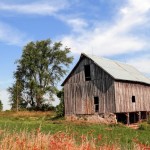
(123, 96)
(102, 86)
(79, 94)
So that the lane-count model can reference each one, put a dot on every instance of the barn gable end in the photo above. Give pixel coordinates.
(79, 94)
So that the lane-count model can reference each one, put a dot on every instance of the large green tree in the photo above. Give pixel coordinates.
(40, 68)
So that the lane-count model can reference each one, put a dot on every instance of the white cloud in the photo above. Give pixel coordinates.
(47, 8)
(142, 63)
(4, 96)
(114, 38)
(77, 24)
(39, 7)
(11, 35)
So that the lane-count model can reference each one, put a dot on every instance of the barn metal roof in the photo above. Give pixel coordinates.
(119, 70)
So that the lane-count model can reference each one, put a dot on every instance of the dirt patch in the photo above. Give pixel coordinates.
(133, 126)
(100, 119)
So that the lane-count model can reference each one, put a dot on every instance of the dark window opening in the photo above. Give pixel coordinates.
(121, 117)
(96, 103)
(133, 117)
(133, 99)
(96, 100)
(87, 72)
(143, 115)
(96, 108)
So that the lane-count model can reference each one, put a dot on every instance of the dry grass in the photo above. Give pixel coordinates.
(59, 141)
(27, 114)
(39, 141)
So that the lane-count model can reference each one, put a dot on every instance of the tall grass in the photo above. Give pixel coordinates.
(58, 141)
(23, 127)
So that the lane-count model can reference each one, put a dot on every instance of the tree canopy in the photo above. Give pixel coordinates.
(40, 68)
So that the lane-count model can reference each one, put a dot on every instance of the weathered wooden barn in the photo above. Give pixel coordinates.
(99, 86)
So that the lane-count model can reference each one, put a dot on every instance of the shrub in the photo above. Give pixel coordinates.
(43, 107)
(60, 112)
(143, 126)
(148, 120)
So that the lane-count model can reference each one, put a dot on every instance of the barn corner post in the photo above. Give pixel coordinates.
(139, 116)
(147, 116)
(128, 118)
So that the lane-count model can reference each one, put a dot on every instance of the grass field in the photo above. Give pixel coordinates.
(39, 127)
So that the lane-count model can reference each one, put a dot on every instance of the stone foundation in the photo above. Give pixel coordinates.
(97, 118)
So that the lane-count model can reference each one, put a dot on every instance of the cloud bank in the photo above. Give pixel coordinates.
(12, 36)
(116, 38)
(125, 34)
(38, 7)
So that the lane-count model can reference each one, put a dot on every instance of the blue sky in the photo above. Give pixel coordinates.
(116, 29)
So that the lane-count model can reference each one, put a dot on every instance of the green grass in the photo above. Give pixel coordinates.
(119, 134)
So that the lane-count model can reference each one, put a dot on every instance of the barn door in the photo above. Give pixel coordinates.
(96, 104)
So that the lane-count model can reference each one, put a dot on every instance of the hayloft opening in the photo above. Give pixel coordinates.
(96, 103)
(87, 72)
(133, 99)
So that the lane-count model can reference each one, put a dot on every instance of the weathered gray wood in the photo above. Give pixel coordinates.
(79, 94)
(123, 97)
(114, 96)
(139, 116)
(128, 118)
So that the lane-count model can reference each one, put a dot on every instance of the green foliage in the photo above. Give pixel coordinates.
(43, 107)
(15, 97)
(142, 127)
(60, 112)
(40, 68)
(1, 105)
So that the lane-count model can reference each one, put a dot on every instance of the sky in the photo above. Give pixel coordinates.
(115, 29)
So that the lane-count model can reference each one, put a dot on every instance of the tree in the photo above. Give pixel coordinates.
(60, 109)
(16, 100)
(1, 105)
(40, 68)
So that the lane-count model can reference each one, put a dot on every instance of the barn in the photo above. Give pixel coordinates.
(98, 86)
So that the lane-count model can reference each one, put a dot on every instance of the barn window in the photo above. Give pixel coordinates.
(96, 103)
(133, 99)
(87, 72)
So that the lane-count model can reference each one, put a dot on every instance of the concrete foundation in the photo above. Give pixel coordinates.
(96, 118)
